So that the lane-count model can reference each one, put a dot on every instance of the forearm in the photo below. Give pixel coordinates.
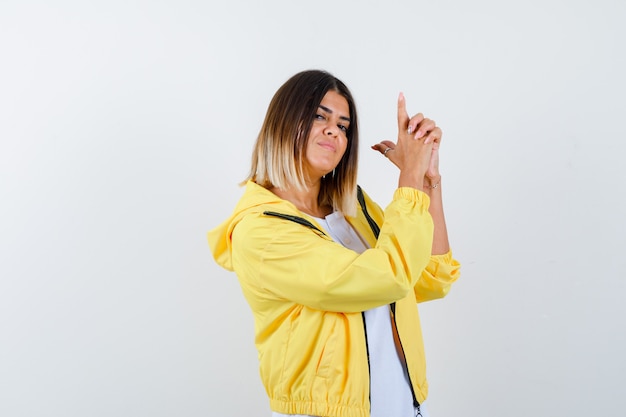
(432, 188)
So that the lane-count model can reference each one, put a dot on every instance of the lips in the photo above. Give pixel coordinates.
(329, 146)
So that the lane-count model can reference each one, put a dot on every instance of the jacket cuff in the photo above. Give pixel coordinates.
(412, 194)
(444, 267)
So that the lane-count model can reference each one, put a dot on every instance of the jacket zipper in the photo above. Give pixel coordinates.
(295, 219)
(416, 403)
(369, 370)
(361, 198)
(376, 230)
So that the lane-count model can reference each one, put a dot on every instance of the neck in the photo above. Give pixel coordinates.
(305, 200)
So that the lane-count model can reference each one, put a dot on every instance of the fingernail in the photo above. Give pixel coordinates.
(410, 129)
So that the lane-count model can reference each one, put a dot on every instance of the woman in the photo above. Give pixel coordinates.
(331, 278)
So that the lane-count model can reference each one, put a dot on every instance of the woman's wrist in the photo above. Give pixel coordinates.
(432, 183)
(410, 179)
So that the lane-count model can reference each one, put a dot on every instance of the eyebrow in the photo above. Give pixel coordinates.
(327, 110)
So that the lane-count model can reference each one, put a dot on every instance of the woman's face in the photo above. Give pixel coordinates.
(327, 141)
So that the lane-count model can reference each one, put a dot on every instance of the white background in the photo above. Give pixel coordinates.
(125, 127)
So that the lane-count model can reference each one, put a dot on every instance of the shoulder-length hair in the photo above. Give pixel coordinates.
(279, 152)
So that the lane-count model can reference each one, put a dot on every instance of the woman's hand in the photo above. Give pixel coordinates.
(417, 151)
(433, 177)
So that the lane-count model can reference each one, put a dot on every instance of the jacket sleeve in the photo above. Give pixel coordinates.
(285, 260)
(437, 277)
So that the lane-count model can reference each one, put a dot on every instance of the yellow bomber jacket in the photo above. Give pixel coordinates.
(307, 294)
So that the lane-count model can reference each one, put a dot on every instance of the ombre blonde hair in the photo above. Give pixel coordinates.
(279, 152)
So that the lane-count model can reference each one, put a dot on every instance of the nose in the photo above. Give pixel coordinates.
(331, 129)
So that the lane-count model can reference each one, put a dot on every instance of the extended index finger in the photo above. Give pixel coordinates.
(403, 116)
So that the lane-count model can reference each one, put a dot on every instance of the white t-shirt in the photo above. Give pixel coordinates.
(390, 391)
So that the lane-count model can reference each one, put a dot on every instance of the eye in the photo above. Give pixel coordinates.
(343, 128)
(320, 117)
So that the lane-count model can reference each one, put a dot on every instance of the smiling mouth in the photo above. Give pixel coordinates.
(328, 146)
